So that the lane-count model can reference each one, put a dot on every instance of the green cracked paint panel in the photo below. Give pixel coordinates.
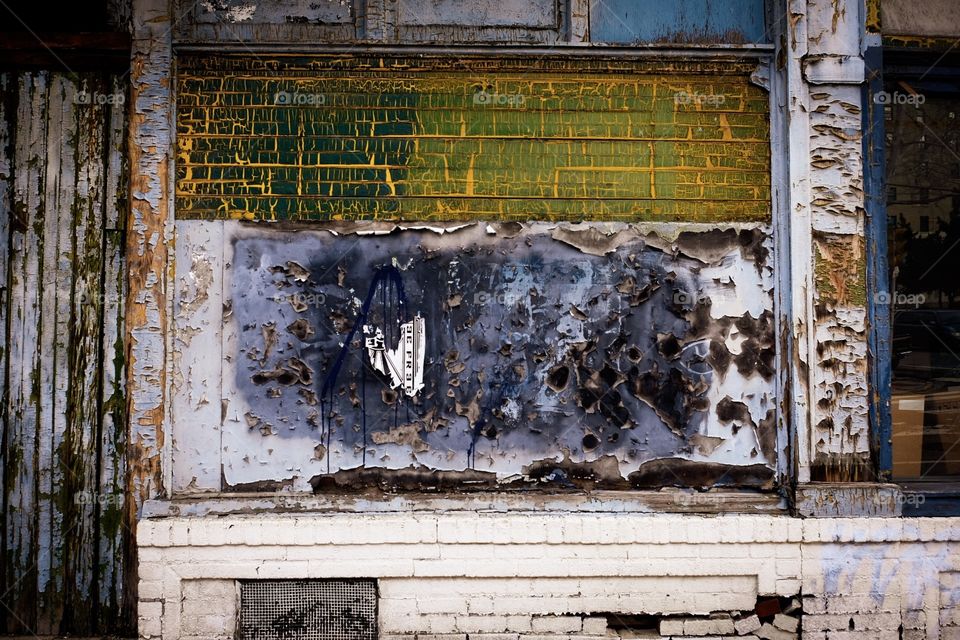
(434, 138)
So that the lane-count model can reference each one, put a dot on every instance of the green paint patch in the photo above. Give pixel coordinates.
(344, 137)
(840, 272)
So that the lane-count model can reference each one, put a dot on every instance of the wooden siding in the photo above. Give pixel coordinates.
(63, 193)
(347, 137)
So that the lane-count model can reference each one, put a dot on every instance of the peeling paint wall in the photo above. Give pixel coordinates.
(827, 39)
(719, 347)
(588, 354)
(578, 355)
(827, 278)
(63, 195)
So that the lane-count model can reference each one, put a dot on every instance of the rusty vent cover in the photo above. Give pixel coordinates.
(308, 610)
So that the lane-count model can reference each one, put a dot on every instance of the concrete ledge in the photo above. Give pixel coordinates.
(651, 502)
(849, 500)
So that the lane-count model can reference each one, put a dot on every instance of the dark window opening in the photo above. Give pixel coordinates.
(923, 294)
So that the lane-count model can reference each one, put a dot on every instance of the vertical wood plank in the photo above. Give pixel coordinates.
(56, 281)
(83, 400)
(579, 21)
(113, 606)
(21, 470)
(8, 96)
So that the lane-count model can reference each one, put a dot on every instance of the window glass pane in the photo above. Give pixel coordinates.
(923, 165)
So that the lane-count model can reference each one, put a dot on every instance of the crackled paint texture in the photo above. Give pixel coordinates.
(583, 355)
(349, 137)
(147, 241)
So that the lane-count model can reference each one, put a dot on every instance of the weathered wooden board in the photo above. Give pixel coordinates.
(532, 14)
(282, 21)
(930, 19)
(545, 22)
(21, 514)
(62, 195)
(352, 137)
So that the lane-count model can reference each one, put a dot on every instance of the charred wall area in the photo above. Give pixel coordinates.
(555, 356)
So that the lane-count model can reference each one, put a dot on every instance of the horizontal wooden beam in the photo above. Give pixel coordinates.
(65, 51)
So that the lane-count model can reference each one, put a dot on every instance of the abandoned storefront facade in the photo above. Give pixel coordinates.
(539, 318)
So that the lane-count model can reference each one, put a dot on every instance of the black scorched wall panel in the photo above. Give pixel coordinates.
(473, 355)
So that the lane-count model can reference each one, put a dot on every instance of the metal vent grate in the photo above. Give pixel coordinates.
(308, 610)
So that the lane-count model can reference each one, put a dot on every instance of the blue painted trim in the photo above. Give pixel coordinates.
(681, 21)
(878, 315)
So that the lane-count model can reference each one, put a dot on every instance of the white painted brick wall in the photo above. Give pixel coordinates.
(520, 576)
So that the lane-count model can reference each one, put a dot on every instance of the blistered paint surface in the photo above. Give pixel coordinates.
(586, 354)
(840, 443)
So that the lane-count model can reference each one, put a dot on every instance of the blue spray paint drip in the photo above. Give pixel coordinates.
(388, 280)
(474, 437)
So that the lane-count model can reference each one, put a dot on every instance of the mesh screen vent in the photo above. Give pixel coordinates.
(308, 610)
